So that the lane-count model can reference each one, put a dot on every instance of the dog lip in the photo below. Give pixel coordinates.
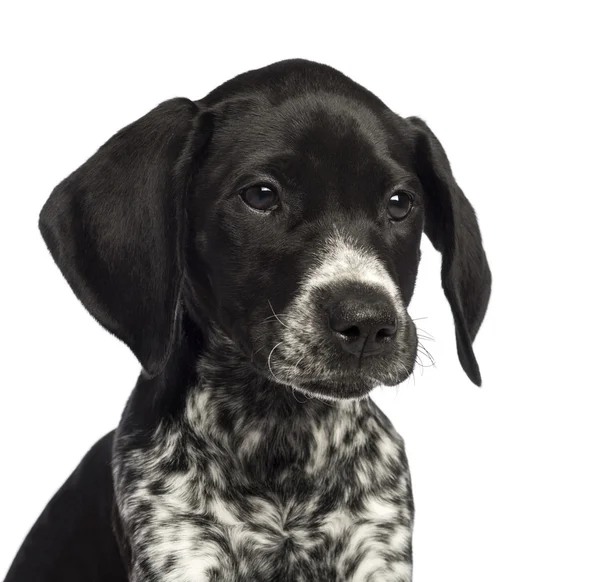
(337, 390)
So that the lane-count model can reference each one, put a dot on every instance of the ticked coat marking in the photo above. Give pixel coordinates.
(202, 508)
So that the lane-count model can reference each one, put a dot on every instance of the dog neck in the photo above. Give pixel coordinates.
(266, 426)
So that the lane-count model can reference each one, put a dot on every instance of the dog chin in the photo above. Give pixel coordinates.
(346, 388)
(336, 390)
(354, 388)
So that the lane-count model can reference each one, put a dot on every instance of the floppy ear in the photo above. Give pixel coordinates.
(115, 227)
(451, 225)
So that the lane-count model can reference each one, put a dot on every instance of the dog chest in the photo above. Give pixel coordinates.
(266, 538)
(338, 509)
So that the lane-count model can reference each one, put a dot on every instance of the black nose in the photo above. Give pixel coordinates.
(363, 325)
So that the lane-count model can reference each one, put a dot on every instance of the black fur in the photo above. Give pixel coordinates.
(246, 410)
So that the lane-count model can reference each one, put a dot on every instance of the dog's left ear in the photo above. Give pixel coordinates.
(116, 227)
(451, 225)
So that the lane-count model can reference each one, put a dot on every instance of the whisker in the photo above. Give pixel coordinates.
(424, 335)
(275, 315)
(296, 398)
(269, 362)
(421, 350)
(420, 364)
(270, 318)
(423, 366)
(426, 351)
(297, 364)
(408, 375)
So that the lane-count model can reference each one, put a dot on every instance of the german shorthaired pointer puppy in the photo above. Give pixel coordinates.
(257, 251)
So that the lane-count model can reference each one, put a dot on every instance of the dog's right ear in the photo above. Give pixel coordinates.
(116, 227)
(451, 225)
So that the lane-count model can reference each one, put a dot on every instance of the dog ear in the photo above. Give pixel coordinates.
(115, 227)
(451, 225)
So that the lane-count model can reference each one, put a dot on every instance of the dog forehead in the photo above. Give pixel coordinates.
(317, 141)
(308, 118)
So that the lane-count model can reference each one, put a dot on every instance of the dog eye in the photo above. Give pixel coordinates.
(399, 205)
(260, 198)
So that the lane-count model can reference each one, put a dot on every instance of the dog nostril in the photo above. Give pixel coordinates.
(385, 332)
(352, 332)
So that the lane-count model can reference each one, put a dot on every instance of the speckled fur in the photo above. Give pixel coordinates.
(291, 489)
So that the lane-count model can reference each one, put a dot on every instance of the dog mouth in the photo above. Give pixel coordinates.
(341, 387)
(337, 378)
(320, 367)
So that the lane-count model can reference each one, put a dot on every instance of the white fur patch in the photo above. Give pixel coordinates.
(344, 260)
(211, 522)
(339, 260)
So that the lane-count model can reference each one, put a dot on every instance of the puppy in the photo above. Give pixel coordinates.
(257, 251)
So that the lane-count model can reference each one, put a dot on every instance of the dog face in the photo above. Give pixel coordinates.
(307, 216)
(284, 211)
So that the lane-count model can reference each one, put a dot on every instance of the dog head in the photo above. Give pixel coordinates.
(283, 211)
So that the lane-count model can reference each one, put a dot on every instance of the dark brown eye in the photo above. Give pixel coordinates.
(260, 198)
(399, 205)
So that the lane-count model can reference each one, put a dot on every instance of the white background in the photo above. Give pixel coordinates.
(506, 478)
